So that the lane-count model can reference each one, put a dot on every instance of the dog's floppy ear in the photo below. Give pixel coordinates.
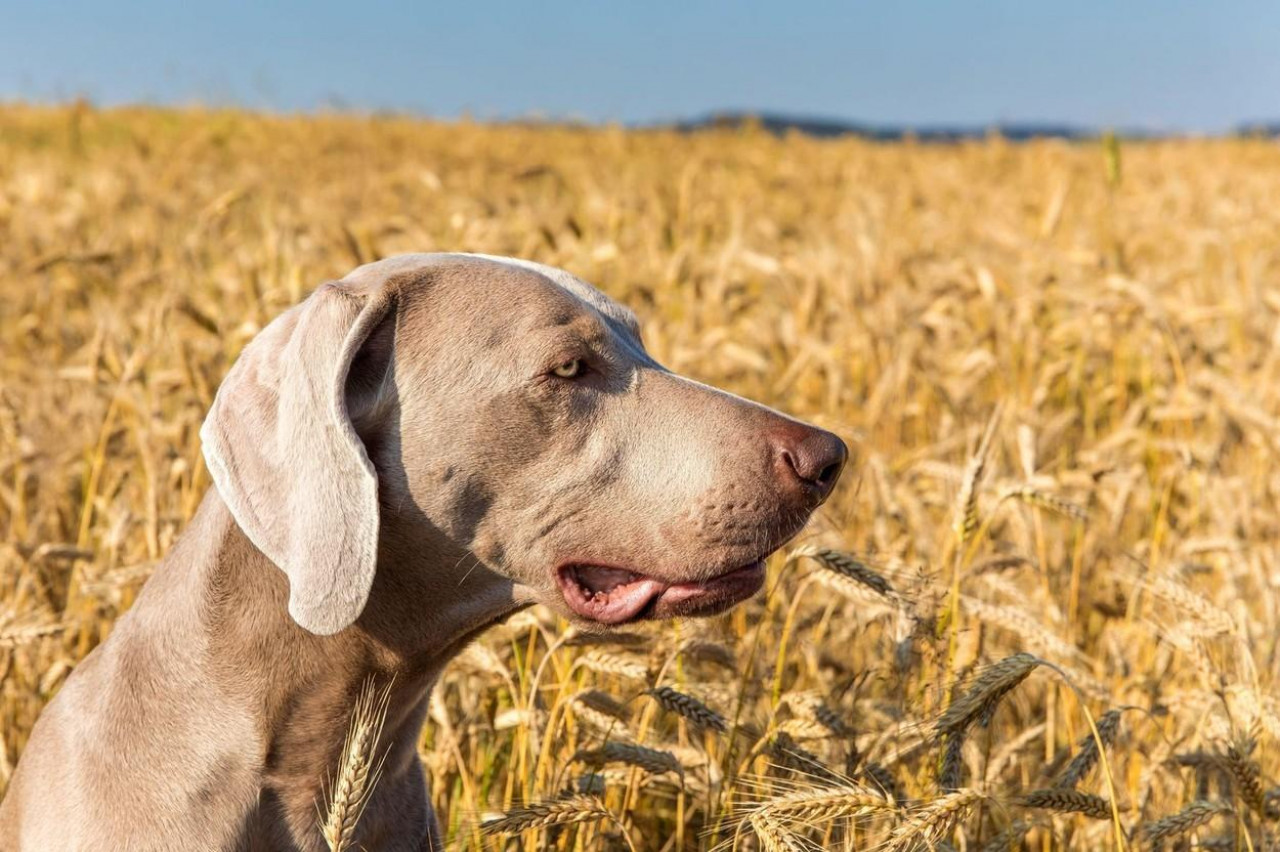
(284, 454)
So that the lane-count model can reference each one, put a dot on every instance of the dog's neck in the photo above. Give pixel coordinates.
(218, 592)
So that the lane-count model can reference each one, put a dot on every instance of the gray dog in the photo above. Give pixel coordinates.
(406, 458)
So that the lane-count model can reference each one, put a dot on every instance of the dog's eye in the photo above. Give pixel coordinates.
(569, 369)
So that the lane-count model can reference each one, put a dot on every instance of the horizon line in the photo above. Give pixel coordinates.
(820, 125)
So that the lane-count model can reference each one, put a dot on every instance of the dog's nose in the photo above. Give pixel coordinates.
(810, 458)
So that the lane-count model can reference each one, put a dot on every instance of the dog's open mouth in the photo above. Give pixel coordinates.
(616, 595)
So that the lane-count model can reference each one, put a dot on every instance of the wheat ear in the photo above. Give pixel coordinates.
(1188, 819)
(932, 822)
(773, 836)
(846, 566)
(1108, 725)
(697, 713)
(981, 700)
(562, 811)
(1067, 801)
(358, 768)
(1244, 773)
(1008, 840)
(966, 521)
(824, 803)
(650, 760)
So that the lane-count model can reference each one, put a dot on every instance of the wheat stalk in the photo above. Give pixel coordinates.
(1108, 725)
(649, 759)
(699, 714)
(1067, 801)
(602, 723)
(980, 701)
(951, 764)
(846, 566)
(603, 703)
(804, 729)
(881, 778)
(773, 836)
(1188, 819)
(12, 637)
(605, 662)
(1025, 626)
(1009, 840)
(709, 652)
(567, 810)
(966, 514)
(935, 820)
(616, 638)
(1212, 619)
(1244, 773)
(1033, 496)
(823, 803)
(789, 755)
(358, 770)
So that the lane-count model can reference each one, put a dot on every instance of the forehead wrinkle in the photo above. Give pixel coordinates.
(585, 325)
(580, 297)
(576, 287)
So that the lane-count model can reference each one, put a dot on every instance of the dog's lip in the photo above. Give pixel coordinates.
(609, 595)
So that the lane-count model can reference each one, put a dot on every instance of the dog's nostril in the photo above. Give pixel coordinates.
(791, 463)
(815, 460)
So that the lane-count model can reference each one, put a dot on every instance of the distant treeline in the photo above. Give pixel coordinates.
(1017, 131)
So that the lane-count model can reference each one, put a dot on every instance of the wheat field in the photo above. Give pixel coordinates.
(1040, 611)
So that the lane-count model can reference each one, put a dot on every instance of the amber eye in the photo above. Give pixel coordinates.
(569, 369)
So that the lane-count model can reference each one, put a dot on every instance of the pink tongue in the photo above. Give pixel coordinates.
(626, 601)
(614, 594)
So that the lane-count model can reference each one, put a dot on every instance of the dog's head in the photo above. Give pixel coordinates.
(510, 410)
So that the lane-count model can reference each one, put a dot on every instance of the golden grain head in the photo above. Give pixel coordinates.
(980, 700)
(563, 811)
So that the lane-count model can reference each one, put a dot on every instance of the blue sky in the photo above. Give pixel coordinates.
(1167, 65)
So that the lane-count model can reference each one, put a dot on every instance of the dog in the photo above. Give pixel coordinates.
(409, 456)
